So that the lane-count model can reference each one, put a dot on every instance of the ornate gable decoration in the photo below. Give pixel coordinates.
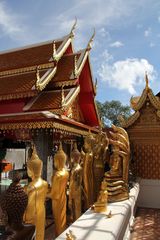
(137, 103)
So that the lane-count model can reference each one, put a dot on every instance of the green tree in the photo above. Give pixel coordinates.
(109, 112)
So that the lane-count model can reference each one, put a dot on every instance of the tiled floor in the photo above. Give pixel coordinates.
(147, 224)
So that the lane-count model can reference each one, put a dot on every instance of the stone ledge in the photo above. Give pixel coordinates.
(96, 226)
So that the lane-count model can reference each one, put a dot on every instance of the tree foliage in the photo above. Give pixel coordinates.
(109, 112)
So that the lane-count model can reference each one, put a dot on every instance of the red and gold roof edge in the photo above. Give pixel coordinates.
(63, 125)
(138, 102)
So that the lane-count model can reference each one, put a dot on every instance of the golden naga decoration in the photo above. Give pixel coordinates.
(117, 177)
(58, 191)
(99, 153)
(75, 186)
(70, 236)
(101, 203)
(88, 171)
(36, 191)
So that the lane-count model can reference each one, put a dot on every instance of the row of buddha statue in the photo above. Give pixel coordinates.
(88, 180)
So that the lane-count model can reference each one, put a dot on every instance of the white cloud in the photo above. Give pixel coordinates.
(103, 33)
(117, 44)
(126, 74)
(8, 21)
(107, 56)
(147, 32)
(159, 19)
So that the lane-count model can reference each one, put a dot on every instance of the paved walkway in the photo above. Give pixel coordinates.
(147, 224)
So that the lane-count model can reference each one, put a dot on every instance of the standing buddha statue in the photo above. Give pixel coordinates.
(75, 187)
(58, 191)
(36, 191)
(88, 171)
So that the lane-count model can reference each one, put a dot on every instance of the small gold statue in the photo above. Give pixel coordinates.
(88, 171)
(36, 191)
(101, 204)
(58, 191)
(109, 215)
(70, 236)
(75, 186)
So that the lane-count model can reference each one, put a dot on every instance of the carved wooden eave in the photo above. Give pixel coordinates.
(18, 95)
(65, 98)
(58, 53)
(82, 59)
(68, 100)
(45, 79)
(125, 123)
(137, 103)
(44, 120)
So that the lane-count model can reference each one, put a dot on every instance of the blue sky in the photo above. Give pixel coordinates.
(126, 45)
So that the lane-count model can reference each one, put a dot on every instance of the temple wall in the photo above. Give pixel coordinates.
(144, 137)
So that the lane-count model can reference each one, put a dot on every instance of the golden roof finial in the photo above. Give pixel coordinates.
(37, 73)
(147, 81)
(89, 46)
(95, 86)
(54, 48)
(75, 65)
(73, 28)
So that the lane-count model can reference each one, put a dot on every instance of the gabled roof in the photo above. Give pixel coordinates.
(49, 76)
(138, 102)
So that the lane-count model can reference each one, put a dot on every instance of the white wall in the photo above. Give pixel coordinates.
(149, 195)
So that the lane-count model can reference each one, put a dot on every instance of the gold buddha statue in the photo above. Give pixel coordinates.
(36, 191)
(99, 150)
(117, 177)
(58, 191)
(75, 186)
(88, 171)
(101, 203)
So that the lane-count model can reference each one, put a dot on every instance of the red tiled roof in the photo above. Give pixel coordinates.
(65, 68)
(14, 84)
(29, 56)
(48, 100)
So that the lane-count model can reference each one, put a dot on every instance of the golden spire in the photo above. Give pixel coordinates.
(89, 46)
(147, 81)
(75, 66)
(73, 28)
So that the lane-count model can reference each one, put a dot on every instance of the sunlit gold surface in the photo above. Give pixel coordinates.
(88, 171)
(117, 177)
(75, 187)
(58, 191)
(101, 204)
(36, 191)
(99, 155)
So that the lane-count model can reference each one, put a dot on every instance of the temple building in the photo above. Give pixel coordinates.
(143, 128)
(47, 93)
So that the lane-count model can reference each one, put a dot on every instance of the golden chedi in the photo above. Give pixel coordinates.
(36, 191)
(14, 202)
(88, 171)
(58, 191)
(75, 186)
(117, 177)
(101, 203)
